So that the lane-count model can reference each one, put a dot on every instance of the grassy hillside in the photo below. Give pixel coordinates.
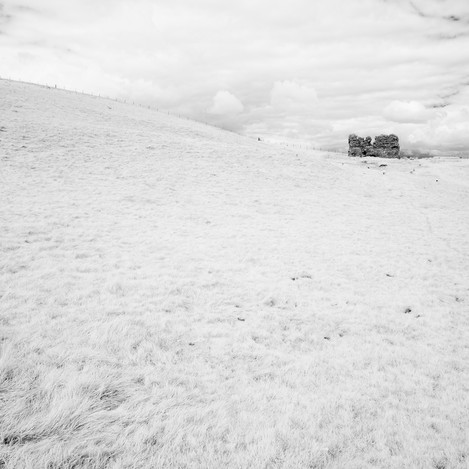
(177, 296)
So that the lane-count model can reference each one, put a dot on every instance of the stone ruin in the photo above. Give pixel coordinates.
(384, 146)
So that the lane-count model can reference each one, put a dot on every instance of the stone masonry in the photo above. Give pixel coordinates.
(384, 146)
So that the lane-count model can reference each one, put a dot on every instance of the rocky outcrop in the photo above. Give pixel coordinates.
(358, 146)
(384, 146)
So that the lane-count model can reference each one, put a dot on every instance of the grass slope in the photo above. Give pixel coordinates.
(176, 296)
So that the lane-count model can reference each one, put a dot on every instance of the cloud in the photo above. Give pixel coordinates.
(449, 130)
(291, 96)
(446, 10)
(407, 111)
(225, 103)
(4, 17)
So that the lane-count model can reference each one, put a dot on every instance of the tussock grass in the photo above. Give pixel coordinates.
(175, 296)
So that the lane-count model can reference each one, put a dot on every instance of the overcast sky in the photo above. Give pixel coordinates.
(313, 70)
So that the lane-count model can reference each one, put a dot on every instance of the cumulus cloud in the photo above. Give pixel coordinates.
(225, 103)
(406, 111)
(291, 96)
(449, 130)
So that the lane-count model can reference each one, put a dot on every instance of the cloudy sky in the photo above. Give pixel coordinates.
(311, 70)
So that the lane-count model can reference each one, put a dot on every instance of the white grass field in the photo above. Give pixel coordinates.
(176, 296)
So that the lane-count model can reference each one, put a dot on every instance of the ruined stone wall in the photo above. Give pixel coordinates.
(384, 146)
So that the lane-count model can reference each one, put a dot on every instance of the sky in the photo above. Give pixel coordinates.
(309, 71)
